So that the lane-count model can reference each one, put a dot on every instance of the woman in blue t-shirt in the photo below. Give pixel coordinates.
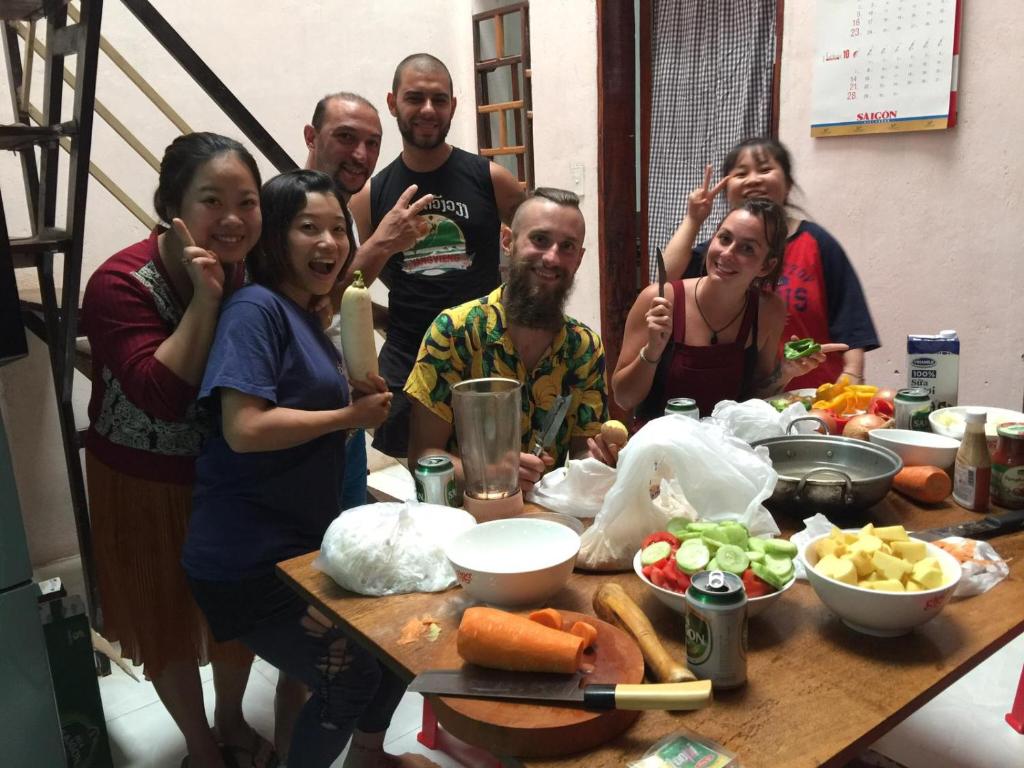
(267, 480)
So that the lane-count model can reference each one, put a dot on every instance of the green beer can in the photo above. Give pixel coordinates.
(716, 629)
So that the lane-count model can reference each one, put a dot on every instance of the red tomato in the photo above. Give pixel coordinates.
(754, 585)
(646, 570)
(660, 536)
(658, 577)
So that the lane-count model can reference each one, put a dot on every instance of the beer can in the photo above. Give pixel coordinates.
(684, 406)
(435, 481)
(716, 628)
(912, 406)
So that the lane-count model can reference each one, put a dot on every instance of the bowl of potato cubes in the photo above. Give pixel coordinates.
(879, 580)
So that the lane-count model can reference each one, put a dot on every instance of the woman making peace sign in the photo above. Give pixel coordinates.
(150, 312)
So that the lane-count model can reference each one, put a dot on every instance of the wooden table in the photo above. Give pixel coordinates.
(818, 692)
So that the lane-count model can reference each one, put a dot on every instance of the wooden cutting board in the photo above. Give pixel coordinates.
(532, 730)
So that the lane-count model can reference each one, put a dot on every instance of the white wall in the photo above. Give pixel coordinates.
(279, 58)
(932, 221)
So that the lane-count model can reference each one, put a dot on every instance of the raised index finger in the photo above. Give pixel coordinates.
(422, 203)
(707, 176)
(182, 232)
(405, 197)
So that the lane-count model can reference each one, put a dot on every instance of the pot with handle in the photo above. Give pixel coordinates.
(836, 476)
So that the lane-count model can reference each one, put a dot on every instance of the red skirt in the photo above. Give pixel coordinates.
(138, 529)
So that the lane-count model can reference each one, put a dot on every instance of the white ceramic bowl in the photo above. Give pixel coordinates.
(917, 448)
(677, 601)
(950, 421)
(514, 562)
(884, 614)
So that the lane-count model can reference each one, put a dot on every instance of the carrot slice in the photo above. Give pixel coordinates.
(549, 617)
(501, 640)
(587, 631)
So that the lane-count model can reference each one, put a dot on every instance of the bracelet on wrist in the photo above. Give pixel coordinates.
(853, 375)
(645, 358)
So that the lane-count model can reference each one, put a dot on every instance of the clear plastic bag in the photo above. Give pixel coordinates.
(577, 489)
(392, 548)
(700, 471)
(757, 420)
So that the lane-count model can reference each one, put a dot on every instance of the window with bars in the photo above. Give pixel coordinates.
(501, 44)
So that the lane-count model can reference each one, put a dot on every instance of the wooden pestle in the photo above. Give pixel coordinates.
(612, 604)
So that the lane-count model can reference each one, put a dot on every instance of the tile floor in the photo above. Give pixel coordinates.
(963, 727)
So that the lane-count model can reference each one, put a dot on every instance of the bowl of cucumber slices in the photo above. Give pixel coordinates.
(668, 559)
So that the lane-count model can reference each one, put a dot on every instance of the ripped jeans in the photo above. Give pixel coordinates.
(350, 688)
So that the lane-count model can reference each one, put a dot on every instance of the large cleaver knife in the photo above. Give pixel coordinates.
(561, 690)
(982, 528)
(551, 424)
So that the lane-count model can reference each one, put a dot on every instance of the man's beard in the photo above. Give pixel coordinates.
(530, 305)
(409, 134)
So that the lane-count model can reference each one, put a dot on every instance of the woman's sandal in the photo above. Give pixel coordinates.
(238, 756)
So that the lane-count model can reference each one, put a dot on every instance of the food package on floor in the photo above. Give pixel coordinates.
(686, 749)
(577, 489)
(392, 548)
(758, 420)
(696, 469)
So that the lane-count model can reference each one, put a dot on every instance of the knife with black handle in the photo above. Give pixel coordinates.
(982, 528)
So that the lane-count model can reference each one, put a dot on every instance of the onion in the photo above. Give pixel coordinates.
(859, 426)
(829, 417)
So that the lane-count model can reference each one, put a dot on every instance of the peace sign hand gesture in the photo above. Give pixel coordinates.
(203, 267)
(698, 203)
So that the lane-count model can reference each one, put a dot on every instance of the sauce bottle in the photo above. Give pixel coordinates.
(972, 472)
(1008, 467)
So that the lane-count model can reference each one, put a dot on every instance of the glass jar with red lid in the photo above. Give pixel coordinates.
(1008, 466)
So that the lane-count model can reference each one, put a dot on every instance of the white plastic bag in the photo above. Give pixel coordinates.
(757, 420)
(702, 472)
(392, 548)
(577, 489)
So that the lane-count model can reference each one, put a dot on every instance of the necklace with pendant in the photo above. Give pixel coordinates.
(714, 331)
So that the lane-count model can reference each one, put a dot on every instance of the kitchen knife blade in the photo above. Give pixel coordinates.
(982, 528)
(661, 272)
(552, 423)
(561, 690)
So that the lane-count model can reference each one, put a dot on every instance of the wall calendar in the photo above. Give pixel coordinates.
(885, 66)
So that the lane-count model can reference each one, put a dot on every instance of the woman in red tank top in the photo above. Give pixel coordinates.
(715, 337)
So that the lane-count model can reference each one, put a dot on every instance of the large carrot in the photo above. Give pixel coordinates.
(928, 484)
(549, 617)
(493, 638)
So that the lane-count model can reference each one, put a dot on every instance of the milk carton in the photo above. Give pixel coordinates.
(933, 362)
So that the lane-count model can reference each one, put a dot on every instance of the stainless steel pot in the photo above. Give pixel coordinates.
(831, 475)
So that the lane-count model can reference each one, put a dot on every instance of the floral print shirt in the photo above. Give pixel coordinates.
(471, 341)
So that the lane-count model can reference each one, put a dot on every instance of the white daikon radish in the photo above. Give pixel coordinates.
(357, 343)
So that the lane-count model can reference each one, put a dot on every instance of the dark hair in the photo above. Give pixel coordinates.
(420, 61)
(281, 200)
(758, 146)
(321, 106)
(183, 158)
(561, 197)
(773, 217)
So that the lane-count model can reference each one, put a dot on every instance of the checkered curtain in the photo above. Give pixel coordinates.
(712, 87)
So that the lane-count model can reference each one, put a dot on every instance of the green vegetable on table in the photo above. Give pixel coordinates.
(793, 350)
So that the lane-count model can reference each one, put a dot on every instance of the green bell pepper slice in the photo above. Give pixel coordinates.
(794, 350)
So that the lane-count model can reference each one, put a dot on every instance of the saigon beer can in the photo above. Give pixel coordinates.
(912, 406)
(685, 406)
(435, 481)
(716, 628)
